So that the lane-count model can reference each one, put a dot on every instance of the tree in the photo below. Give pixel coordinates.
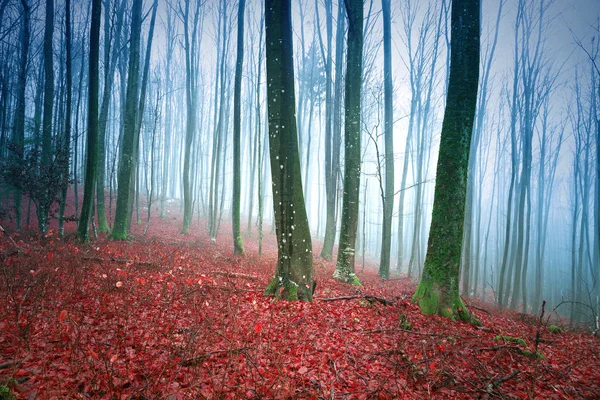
(438, 290)
(191, 46)
(66, 144)
(45, 199)
(344, 269)
(127, 147)
(18, 135)
(293, 277)
(238, 244)
(388, 199)
(470, 209)
(91, 168)
(111, 55)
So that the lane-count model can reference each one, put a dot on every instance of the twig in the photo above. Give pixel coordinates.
(475, 307)
(538, 339)
(338, 298)
(500, 381)
(195, 360)
(234, 275)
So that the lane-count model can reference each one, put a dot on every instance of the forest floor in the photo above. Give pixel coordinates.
(171, 316)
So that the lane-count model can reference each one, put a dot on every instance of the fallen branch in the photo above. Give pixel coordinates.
(367, 297)
(121, 261)
(500, 381)
(234, 275)
(195, 360)
(475, 307)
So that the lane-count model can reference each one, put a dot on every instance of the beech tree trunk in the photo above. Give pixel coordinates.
(238, 243)
(388, 199)
(18, 135)
(438, 290)
(46, 193)
(126, 164)
(344, 269)
(91, 167)
(293, 279)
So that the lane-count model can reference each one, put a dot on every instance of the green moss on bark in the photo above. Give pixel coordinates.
(287, 290)
(511, 339)
(346, 277)
(435, 299)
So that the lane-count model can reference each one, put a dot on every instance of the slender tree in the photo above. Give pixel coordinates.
(112, 50)
(91, 167)
(238, 244)
(126, 155)
(45, 198)
(388, 199)
(66, 140)
(18, 135)
(293, 279)
(438, 290)
(344, 269)
(191, 46)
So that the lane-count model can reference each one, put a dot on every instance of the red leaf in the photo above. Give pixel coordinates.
(63, 315)
(93, 353)
(258, 328)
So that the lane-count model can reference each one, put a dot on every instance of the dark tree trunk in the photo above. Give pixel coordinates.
(18, 136)
(293, 277)
(66, 145)
(46, 193)
(126, 163)
(92, 131)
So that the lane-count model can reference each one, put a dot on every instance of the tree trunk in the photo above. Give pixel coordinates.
(238, 243)
(388, 200)
(18, 137)
(293, 279)
(46, 196)
(127, 147)
(92, 128)
(66, 145)
(438, 290)
(344, 270)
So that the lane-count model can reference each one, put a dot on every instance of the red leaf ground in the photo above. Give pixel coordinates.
(160, 317)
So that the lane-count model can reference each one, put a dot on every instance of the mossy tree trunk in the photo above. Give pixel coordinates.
(438, 290)
(91, 167)
(388, 89)
(344, 269)
(127, 148)
(238, 243)
(294, 272)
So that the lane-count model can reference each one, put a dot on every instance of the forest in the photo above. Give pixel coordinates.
(320, 199)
